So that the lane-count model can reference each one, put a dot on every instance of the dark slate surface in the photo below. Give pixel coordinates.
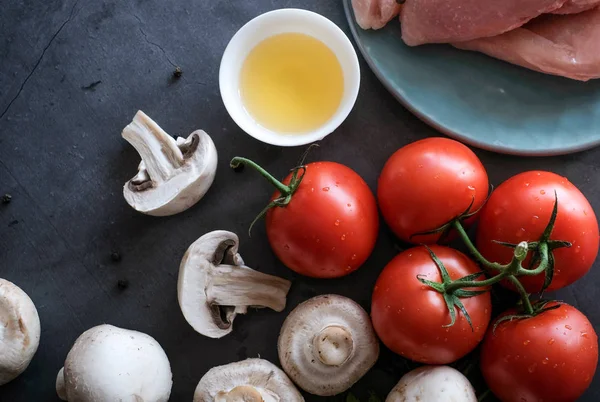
(64, 162)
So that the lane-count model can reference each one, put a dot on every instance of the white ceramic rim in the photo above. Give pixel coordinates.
(270, 24)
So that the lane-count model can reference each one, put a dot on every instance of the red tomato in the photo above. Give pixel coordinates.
(409, 317)
(551, 357)
(427, 184)
(520, 209)
(330, 226)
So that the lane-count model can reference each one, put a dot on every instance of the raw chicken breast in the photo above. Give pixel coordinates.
(374, 14)
(577, 6)
(565, 45)
(444, 21)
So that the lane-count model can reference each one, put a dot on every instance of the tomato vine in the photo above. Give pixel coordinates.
(542, 256)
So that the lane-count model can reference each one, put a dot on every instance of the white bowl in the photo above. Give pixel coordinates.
(274, 23)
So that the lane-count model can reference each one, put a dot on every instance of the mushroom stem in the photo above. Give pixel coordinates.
(229, 285)
(159, 151)
(252, 380)
(242, 393)
(333, 346)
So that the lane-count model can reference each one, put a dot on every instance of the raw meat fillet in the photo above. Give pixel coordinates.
(374, 14)
(577, 6)
(565, 45)
(444, 21)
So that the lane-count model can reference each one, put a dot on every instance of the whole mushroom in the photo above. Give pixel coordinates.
(214, 285)
(19, 331)
(327, 344)
(251, 380)
(433, 384)
(173, 174)
(108, 364)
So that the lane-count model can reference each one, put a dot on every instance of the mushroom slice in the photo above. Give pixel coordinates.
(251, 380)
(214, 285)
(107, 363)
(173, 174)
(19, 331)
(433, 384)
(326, 344)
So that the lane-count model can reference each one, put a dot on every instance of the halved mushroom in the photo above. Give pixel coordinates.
(19, 331)
(107, 363)
(433, 384)
(251, 380)
(173, 174)
(326, 344)
(214, 285)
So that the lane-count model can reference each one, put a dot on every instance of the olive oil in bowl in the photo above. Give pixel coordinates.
(291, 83)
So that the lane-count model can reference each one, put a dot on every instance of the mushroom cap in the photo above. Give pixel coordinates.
(193, 276)
(433, 384)
(19, 331)
(108, 363)
(250, 376)
(327, 344)
(187, 183)
(60, 385)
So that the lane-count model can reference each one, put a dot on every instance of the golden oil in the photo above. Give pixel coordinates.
(291, 83)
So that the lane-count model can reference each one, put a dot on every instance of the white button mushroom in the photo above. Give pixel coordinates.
(327, 344)
(433, 384)
(214, 285)
(173, 175)
(19, 331)
(108, 364)
(251, 380)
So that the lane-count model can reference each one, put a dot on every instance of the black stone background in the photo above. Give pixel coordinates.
(64, 162)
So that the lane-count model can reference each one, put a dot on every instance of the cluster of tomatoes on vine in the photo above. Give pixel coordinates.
(536, 232)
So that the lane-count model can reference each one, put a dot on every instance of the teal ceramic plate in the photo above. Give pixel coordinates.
(481, 101)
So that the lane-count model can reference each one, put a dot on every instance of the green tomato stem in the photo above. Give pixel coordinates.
(493, 266)
(524, 296)
(282, 188)
(544, 260)
(455, 285)
(506, 271)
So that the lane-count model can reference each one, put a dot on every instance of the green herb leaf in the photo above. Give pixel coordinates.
(351, 398)
(374, 398)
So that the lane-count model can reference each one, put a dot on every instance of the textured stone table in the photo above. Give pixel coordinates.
(72, 75)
